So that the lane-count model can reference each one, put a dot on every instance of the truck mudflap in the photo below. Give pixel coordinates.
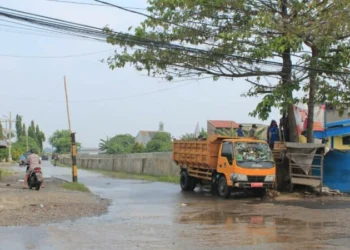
(267, 185)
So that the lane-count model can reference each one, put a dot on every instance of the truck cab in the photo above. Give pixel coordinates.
(246, 164)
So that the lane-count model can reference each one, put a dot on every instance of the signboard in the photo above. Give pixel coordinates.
(301, 115)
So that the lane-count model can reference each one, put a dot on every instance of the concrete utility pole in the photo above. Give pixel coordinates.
(10, 127)
(9, 121)
(72, 135)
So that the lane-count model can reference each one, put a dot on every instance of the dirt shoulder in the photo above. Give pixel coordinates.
(51, 204)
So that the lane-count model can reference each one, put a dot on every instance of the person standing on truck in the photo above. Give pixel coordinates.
(273, 134)
(240, 131)
(252, 131)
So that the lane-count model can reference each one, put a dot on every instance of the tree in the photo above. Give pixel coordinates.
(138, 148)
(31, 130)
(19, 126)
(2, 136)
(161, 142)
(161, 127)
(191, 136)
(119, 144)
(20, 147)
(40, 137)
(61, 141)
(24, 129)
(231, 39)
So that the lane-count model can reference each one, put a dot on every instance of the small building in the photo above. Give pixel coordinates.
(143, 137)
(217, 126)
(332, 114)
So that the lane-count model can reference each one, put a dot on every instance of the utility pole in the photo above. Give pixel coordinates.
(10, 130)
(9, 122)
(72, 135)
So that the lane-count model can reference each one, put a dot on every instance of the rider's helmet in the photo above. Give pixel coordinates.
(32, 151)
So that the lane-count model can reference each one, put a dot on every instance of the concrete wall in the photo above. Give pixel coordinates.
(158, 164)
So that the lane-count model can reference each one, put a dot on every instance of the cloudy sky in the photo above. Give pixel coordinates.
(102, 102)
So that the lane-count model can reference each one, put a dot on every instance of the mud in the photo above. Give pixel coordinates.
(50, 204)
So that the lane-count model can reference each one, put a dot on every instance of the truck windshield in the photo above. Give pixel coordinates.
(253, 154)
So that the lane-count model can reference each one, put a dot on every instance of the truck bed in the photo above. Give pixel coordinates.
(198, 153)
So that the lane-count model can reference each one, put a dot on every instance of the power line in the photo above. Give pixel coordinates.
(93, 4)
(98, 34)
(50, 57)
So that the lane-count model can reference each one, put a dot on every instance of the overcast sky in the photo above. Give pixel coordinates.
(33, 87)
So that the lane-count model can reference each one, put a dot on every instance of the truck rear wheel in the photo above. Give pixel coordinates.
(187, 182)
(223, 189)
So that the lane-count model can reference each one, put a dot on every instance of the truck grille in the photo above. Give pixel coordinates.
(256, 178)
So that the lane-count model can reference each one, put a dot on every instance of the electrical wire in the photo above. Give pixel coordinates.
(50, 57)
(92, 4)
(91, 32)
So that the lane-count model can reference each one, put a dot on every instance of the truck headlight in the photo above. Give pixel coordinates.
(239, 177)
(270, 178)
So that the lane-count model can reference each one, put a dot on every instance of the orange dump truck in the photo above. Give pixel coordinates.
(226, 163)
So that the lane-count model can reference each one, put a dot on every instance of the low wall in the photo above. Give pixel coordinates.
(158, 164)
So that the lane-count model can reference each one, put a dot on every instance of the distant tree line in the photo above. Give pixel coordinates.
(126, 143)
(61, 141)
(33, 135)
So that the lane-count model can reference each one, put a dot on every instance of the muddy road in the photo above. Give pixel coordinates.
(148, 215)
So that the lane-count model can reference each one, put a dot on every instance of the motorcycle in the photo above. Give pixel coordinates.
(35, 178)
(22, 163)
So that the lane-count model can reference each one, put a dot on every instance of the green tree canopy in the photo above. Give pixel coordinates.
(231, 39)
(191, 136)
(138, 148)
(20, 147)
(2, 136)
(19, 126)
(119, 144)
(61, 141)
(31, 130)
(161, 142)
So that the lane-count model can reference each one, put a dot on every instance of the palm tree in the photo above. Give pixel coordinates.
(103, 146)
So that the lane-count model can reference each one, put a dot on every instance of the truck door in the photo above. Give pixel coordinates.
(226, 158)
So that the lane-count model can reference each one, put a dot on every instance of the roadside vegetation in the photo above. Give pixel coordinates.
(6, 173)
(75, 186)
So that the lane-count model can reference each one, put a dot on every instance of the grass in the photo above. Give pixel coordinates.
(123, 175)
(6, 172)
(75, 186)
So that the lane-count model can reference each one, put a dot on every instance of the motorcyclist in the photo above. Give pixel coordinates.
(22, 158)
(33, 161)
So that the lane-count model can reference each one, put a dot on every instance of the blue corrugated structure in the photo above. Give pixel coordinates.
(336, 169)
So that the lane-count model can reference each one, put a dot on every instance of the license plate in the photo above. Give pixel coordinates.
(256, 185)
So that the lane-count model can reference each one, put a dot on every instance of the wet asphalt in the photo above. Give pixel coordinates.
(151, 215)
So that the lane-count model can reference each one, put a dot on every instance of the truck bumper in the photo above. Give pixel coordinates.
(245, 185)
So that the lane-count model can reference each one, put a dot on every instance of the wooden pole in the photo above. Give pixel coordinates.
(72, 135)
(68, 115)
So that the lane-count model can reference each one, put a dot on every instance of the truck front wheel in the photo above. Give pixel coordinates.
(223, 189)
(187, 182)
